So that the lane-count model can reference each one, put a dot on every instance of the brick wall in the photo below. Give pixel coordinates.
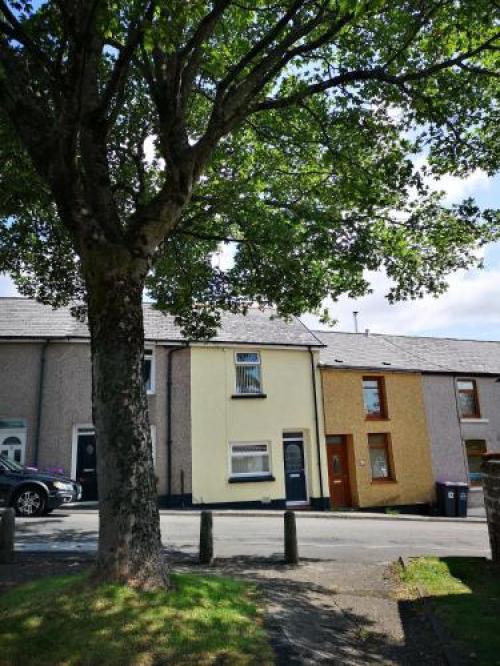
(491, 484)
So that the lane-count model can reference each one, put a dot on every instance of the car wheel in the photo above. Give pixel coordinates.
(30, 501)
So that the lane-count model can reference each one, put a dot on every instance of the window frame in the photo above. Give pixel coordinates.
(242, 476)
(474, 392)
(237, 364)
(387, 446)
(150, 352)
(474, 482)
(16, 427)
(383, 414)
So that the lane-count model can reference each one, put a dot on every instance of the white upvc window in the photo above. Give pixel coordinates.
(148, 370)
(248, 373)
(249, 459)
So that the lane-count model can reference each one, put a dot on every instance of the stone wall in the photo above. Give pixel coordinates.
(491, 483)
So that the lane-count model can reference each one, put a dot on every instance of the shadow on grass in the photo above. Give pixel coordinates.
(66, 620)
(463, 594)
(206, 622)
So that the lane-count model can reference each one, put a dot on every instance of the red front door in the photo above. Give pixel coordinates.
(338, 471)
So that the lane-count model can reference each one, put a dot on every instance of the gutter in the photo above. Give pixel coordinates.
(316, 422)
(41, 382)
(171, 351)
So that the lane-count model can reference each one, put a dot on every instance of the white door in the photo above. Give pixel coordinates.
(13, 444)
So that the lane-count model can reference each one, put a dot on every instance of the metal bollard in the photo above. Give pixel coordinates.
(206, 538)
(7, 529)
(291, 546)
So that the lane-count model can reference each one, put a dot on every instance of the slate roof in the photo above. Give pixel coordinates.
(26, 318)
(399, 352)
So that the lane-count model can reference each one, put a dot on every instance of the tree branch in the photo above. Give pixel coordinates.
(375, 74)
(118, 76)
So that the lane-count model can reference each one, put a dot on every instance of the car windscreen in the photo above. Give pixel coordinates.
(10, 465)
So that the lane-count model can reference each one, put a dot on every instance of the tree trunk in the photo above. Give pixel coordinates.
(130, 549)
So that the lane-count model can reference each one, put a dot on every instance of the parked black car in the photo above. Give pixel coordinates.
(33, 493)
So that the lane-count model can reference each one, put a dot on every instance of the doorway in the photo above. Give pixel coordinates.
(86, 463)
(295, 475)
(338, 471)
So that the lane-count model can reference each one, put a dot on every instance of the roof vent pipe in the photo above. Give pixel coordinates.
(367, 332)
(355, 317)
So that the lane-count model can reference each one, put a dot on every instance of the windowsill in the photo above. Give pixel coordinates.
(251, 479)
(473, 419)
(240, 396)
(377, 418)
(377, 482)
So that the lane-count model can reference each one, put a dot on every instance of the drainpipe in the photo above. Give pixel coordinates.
(462, 438)
(171, 351)
(316, 423)
(41, 381)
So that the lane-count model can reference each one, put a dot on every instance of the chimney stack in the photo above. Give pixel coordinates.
(355, 317)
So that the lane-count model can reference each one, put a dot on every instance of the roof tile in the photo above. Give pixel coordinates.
(399, 352)
(26, 318)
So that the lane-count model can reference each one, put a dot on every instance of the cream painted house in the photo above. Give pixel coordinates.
(257, 442)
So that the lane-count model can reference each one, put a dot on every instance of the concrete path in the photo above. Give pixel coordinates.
(336, 613)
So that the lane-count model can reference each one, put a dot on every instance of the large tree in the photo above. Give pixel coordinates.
(137, 135)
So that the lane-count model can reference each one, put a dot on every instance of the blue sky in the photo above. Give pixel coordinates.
(470, 308)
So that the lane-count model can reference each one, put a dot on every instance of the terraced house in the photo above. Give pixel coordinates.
(236, 421)
(266, 414)
(404, 412)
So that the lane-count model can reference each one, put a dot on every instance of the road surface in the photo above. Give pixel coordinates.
(354, 540)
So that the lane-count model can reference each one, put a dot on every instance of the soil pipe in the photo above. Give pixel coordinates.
(316, 423)
(41, 381)
(171, 352)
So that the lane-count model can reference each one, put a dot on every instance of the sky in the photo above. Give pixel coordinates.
(469, 309)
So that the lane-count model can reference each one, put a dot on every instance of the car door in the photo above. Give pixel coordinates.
(5, 485)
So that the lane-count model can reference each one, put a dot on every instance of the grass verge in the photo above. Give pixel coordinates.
(465, 597)
(67, 621)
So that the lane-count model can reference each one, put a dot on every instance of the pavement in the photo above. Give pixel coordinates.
(476, 514)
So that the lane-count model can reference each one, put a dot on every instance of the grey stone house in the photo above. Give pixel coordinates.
(461, 390)
(45, 398)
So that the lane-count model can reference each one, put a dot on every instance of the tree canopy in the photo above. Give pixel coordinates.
(288, 128)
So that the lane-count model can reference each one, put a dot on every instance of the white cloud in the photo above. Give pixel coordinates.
(456, 188)
(7, 287)
(469, 304)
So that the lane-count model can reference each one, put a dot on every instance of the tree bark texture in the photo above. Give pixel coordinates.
(130, 549)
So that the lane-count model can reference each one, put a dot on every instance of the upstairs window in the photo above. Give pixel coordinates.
(468, 399)
(248, 373)
(374, 398)
(148, 371)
